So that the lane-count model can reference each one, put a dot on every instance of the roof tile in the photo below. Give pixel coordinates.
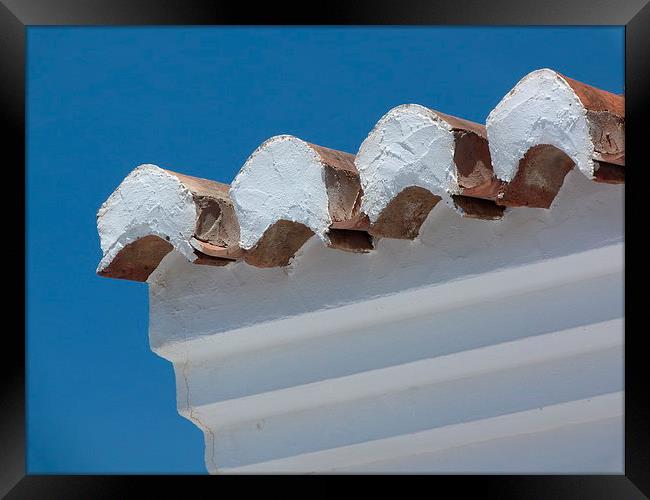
(290, 190)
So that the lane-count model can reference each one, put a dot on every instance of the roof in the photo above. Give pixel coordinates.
(290, 190)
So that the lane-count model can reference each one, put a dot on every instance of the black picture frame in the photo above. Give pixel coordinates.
(17, 15)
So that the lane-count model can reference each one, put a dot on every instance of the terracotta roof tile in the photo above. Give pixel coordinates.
(290, 190)
(154, 211)
(546, 125)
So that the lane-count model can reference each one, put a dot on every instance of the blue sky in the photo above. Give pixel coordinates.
(102, 101)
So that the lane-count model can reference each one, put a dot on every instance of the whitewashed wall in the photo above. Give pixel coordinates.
(482, 346)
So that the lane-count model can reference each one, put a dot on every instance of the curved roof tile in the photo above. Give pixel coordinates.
(290, 190)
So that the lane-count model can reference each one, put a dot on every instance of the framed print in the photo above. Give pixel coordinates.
(390, 240)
